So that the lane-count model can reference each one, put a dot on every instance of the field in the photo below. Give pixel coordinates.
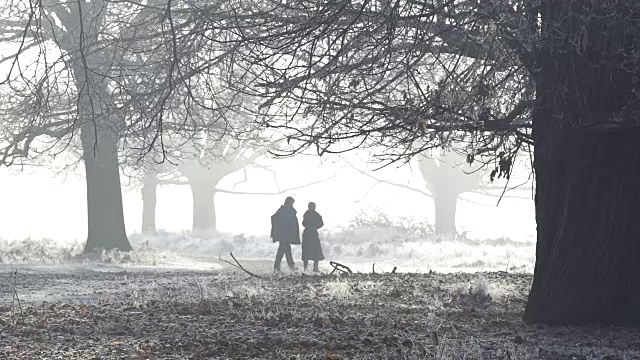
(97, 310)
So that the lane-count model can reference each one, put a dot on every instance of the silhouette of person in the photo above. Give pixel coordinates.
(311, 247)
(286, 231)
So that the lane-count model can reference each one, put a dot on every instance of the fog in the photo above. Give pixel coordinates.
(42, 203)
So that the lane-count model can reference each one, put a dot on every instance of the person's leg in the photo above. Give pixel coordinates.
(306, 264)
(279, 254)
(315, 266)
(287, 253)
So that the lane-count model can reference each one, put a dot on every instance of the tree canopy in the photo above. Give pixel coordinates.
(124, 66)
(409, 75)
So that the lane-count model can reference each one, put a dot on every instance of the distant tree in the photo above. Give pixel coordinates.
(446, 181)
(149, 192)
(204, 167)
(450, 176)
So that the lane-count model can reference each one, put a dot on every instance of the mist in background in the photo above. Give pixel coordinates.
(50, 203)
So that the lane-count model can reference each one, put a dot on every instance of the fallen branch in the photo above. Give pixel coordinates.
(340, 267)
(238, 265)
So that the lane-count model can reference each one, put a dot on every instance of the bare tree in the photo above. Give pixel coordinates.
(447, 177)
(101, 75)
(149, 193)
(446, 182)
(203, 174)
(492, 76)
(204, 166)
(407, 75)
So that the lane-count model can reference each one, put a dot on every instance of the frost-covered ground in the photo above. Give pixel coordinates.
(408, 249)
(169, 314)
(172, 298)
(409, 246)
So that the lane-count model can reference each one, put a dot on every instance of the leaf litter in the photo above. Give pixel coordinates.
(222, 315)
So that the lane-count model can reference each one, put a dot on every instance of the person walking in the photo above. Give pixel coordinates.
(285, 230)
(311, 247)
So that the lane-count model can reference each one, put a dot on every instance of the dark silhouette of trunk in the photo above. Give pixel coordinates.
(104, 195)
(587, 180)
(204, 210)
(446, 201)
(149, 200)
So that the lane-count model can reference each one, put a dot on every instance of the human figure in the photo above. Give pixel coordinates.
(311, 248)
(286, 231)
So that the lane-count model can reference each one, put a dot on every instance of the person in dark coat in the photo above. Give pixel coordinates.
(286, 231)
(311, 248)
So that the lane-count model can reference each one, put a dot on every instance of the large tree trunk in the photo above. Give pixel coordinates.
(149, 200)
(204, 210)
(446, 201)
(587, 196)
(104, 196)
(100, 130)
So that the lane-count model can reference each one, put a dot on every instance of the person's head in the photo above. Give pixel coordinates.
(312, 206)
(289, 201)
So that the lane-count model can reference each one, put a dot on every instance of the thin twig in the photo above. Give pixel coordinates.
(340, 267)
(238, 265)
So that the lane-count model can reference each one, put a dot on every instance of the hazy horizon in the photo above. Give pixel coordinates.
(46, 205)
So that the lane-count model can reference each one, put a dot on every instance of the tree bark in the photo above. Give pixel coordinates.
(204, 210)
(149, 201)
(100, 129)
(104, 196)
(446, 201)
(587, 181)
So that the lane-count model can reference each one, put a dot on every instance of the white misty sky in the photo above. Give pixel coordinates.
(39, 204)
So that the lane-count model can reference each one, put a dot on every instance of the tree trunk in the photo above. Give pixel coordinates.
(204, 210)
(100, 131)
(447, 182)
(587, 181)
(104, 196)
(446, 201)
(149, 200)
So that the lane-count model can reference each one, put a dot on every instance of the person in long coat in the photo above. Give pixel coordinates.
(285, 230)
(311, 247)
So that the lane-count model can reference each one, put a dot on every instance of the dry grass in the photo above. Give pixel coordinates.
(189, 315)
